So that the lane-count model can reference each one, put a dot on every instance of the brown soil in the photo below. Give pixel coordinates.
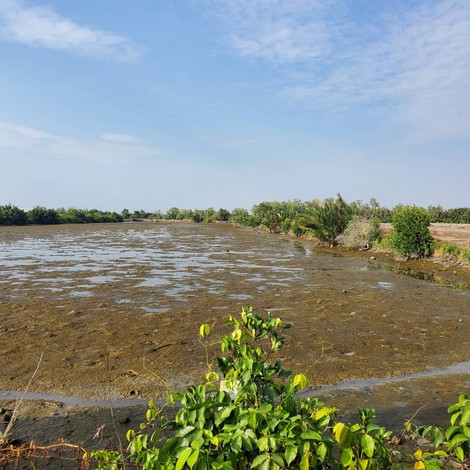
(451, 233)
(348, 324)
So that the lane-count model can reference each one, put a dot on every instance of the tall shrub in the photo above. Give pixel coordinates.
(329, 219)
(12, 215)
(410, 235)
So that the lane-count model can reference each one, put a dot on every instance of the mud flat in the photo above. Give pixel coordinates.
(116, 309)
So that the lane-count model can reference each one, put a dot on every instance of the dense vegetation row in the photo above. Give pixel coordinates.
(275, 216)
(13, 215)
(332, 221)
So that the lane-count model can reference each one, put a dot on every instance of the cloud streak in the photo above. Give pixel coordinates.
(33, 144)
(412, 65)
(274, 31)
(42, 27)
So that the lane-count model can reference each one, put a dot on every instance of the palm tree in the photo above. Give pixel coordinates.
(328, 219)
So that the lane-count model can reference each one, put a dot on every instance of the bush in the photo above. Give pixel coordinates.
(361, 233)
(12, 215)
(248, 416)
(42, 216)
(446, 249)
(329, 219)
(410, 234)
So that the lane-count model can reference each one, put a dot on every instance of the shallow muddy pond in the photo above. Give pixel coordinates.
(116, 308)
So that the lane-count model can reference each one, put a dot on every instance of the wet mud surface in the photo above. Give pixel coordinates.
(116, 310)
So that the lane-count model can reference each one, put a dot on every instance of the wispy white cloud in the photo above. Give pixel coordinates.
(10, 130)
(219, 142)
(119, 138)
(413, 64)
(32, 144)
(40, 26)
(418, 70)
(277, 31)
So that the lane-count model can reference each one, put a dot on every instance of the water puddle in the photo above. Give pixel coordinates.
(367, 384)
(420, 275)
(67, 402)
(364, 385)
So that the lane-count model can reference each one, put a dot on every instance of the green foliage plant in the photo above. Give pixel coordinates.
(43, 216)
(248, 415)
(446, 249)
(329, 219)
(12, 215)
(450, 447)
(410, 233)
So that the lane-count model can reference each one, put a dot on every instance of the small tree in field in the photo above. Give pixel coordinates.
(410, 235)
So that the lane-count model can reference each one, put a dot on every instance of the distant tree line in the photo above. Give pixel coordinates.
(12, 215)
(325, 219)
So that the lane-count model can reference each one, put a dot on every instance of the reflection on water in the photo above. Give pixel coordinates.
(422, 276)
(178, 261)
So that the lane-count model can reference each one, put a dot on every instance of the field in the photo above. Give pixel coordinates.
(116, 309)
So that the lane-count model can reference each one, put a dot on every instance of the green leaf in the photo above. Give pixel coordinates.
(278, 460)
(263, 443)
(300, 380)
(197, 443)
(347, 457)
(363, 464)
(457, 439)
(465, 418)
(436, 437)
(450, 431)
(290, 454)
(441, 453)
(459, 454)
(368, 445)
(311, 436)
(236, 444)
(259, 459)
(265, 408)
(342, 435)
(323, 412)
(183, 458)
(321, 451)
(432, 465)
(222, 414)
(184, 431)
(304, 463)
(204, 330)
(192, 460)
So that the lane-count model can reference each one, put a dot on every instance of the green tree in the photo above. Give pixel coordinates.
(12, 215)
(329, 219)
(198, 216)
(410, 235)
(243, 217)
(172, 213)
(222, 215)
(41, 215)
(209, 215)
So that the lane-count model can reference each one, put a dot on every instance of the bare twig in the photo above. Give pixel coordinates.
(121, 449)
(7, 431)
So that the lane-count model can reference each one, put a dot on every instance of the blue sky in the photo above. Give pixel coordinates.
(148, 104)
